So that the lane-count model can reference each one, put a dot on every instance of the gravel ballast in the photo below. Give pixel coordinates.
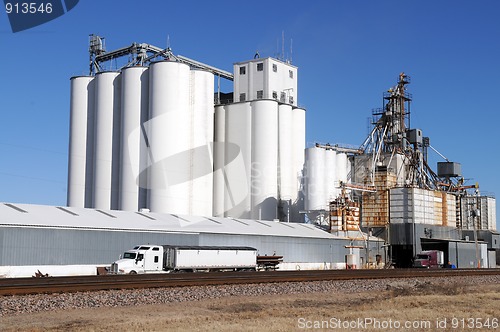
(20, 304)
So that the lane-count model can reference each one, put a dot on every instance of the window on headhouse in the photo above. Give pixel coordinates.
(275, 95)
(260, 94)
(275, 67)
(243, 97)
(291, 99)
(283, 97)
(290, 73)
(260, 66)
(243, 70)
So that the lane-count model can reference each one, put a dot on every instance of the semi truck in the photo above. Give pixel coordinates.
(169, 258)
(430, 259)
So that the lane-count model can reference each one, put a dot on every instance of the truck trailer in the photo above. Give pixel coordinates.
(430, 259)
(169, 258)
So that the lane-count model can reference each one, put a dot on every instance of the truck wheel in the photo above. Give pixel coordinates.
(132, 272)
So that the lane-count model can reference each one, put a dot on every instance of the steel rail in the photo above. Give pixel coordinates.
(22, 286)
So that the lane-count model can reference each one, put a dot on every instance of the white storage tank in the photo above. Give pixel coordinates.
(331, 184)
(342, 167)
(314, 182)
(286, 167)
(231, 181)
(201, 141)
(106, 147)
(219, 183)
(238, 130)
(81, 109)
(299, 146)
(169, 137)
(135, 95)
(264, 159)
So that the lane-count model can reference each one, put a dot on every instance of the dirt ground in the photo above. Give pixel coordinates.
(443, 308)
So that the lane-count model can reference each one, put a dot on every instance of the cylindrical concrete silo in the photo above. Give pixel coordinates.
(134, 110)
(107, 96)
(330, 174)
(315, 198)
(218, 159)
(342, 167)
(201, 140)
(286, 169)
(81, 103)
(89, 164)
(264, 159)
(299, 146)
(237, 195)
(169, 137)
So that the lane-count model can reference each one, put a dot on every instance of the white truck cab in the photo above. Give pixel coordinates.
(141, 259)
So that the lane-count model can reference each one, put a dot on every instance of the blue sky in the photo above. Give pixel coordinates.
(348, 53)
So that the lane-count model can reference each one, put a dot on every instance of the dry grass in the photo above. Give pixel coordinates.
(413, 301)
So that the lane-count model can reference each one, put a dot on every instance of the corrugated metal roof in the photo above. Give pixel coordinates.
(28, 215)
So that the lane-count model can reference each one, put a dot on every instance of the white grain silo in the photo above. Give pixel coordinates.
(89, 165)
(343, 167)
(169, 134)
(219, 183)
(314, 182)
(264, 159)
(201, 141)
(106, 147)
(331, 181)
(286, 162)
(81, 109)
(299, 146)
(135, 95)
(238, 135)
(231, 180)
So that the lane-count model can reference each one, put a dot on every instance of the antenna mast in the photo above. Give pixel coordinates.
(283, 45)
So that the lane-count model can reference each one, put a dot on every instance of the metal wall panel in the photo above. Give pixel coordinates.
(43, 246)
(293, 249)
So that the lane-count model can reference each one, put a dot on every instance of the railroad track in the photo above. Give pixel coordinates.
(21, 286)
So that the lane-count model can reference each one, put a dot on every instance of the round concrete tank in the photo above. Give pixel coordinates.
(81, 107)
(264, 159)
(169, 137)
(299, 146)
(218, 153)
(286, 169)
(238, 126)
(342, 167)
(330, 175)
(134, 112)
(107, 111)
(201, 141)
(315, 198)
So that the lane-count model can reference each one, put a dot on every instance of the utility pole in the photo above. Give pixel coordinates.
(476, 213)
